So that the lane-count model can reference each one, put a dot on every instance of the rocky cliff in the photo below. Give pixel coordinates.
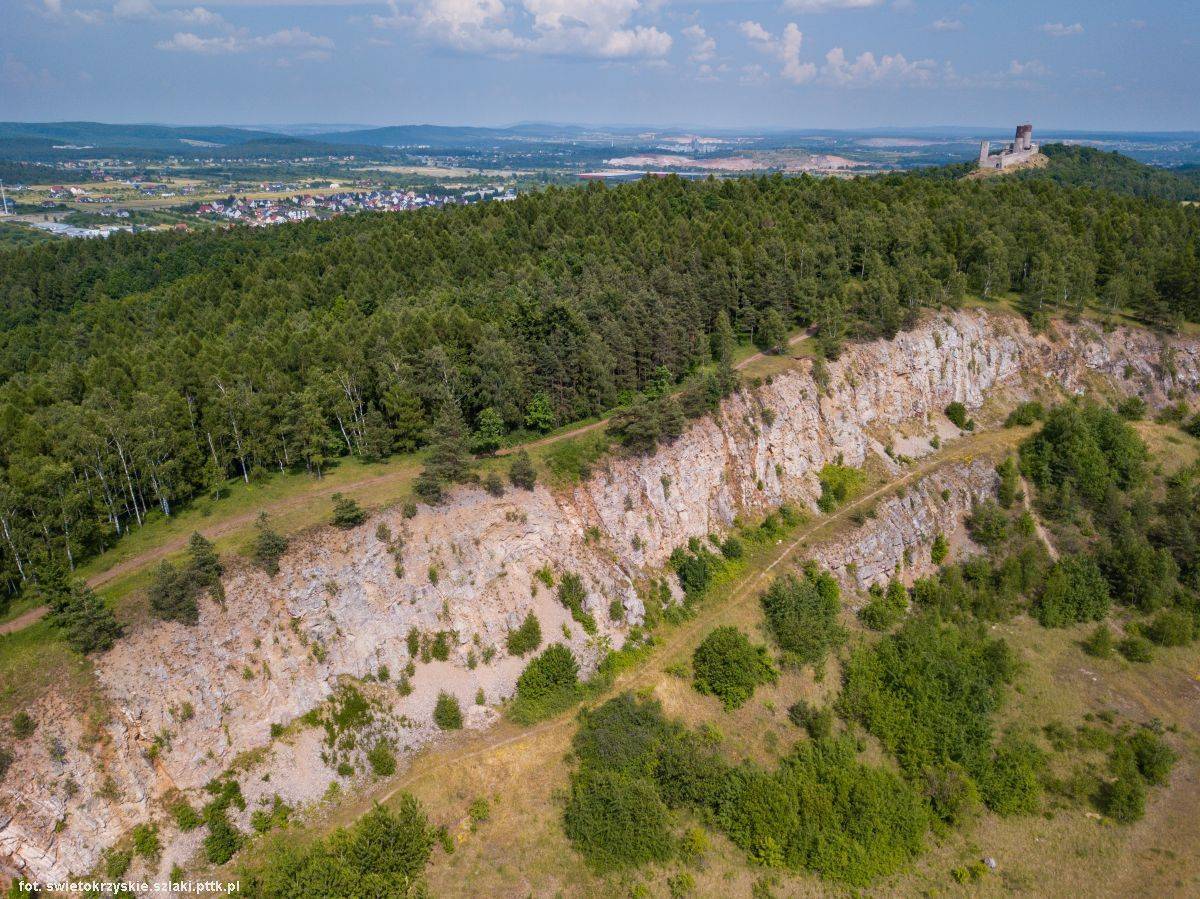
(186, 704)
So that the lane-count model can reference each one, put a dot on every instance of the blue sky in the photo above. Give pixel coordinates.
(1106, 64)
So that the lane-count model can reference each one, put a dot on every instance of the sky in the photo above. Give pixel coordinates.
(1062, 64)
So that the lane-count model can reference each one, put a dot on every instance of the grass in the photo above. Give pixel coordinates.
(34, 659)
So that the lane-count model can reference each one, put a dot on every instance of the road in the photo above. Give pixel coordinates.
(244, 520)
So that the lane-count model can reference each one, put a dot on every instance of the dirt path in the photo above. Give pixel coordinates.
(433, 761)
(245, 519)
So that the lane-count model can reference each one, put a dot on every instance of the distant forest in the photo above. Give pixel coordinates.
(139, 372)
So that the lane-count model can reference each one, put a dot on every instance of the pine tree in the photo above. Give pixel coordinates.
(268, 547)
(89, 625)
(172, 597)
(522, 473)
(772, 333)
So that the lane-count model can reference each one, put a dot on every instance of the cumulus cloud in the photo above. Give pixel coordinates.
(947, 25)
(866, 69)
(704, 47)
(594, 28)
(825, 5)
(786, 48)
(1058, 29)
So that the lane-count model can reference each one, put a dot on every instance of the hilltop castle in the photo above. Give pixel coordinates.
(1022, 149)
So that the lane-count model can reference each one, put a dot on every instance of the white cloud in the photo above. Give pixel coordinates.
(1058, 29)
(593, 28)
(866, 69)
(947, 25)
(704, 47)
(303, 44)
(1030, 68)
(785, 48)
(825, 5)
(52, 7)
(753, 75)
(16, 74)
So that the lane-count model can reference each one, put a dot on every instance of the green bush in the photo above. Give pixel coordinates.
(727, 665)
(23, 725)
(695, 567)
(957, 413)
(382, 760)
(145, 841)
(222, 839)
(929, 693)
(1136, 648)
(1100, 643)
(939, 549)
(953, 796)
(1025, 414)
(186, 817)
(732, 548)
(818, 722)
(839, 484)
(1009, 783)
(1172, 627)
(521, 473)
(1153, 757)
(526, 638)
(886, 607)
(988, 524)
(268, 547)
(802, 616)
(446, 713)
(346, 512)
(616, 819)
(116, 863)
(824, 811)
(1074, 591)
(383, 854)
(549, 684)
(572, 594)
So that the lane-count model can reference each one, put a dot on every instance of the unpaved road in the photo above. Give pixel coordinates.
(238, 522)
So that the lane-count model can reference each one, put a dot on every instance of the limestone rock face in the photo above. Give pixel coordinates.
(186, 704)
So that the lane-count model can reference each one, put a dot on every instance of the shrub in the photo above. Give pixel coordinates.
(493, 485)
(186, 817)
(145, 841)
(116, 863)
(727, 665)
(1136, 648)
(1153, 757)
(1172, 627)
(939, 549)
(382, 760)
(526, 638)
(346, 512)
(1100, 643)
(988, 524)
(818, 722)
(802, 616)
(1009, 783)
(839, 483)
(732, 548)
(521, 473)
(1075, 590)
(6, 760)
(440, 647)
(447, 714)
(1132, 408)
(885, 607)
(89, 625)
(1025, 414)
(383, 854)
(171, 595)
(572, 594)
(957, 413)
(1124, 798)
(929, 692)
(616, 819)
(695, 568)
(23, 725)
(268, 547)
(222, 839)
(549, 683)
(952, 794)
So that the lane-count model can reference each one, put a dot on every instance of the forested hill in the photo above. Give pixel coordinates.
(137, 372)
(1076, 166)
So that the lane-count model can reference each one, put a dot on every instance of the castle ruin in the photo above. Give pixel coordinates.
(1022, 149)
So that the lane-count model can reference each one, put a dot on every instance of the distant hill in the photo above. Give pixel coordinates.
(420, 135)
(143, 137)
(1076, 166)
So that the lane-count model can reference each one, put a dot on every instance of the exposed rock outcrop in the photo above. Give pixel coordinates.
(188, 703)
